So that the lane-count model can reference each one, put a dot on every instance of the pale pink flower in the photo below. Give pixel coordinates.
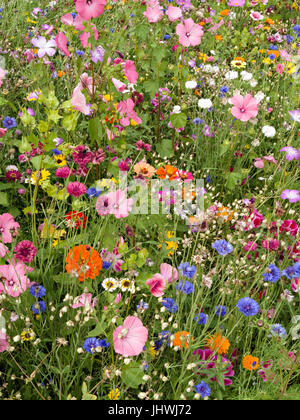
(153, 14)
(62, 42)
(84, 301)
(86, 82)
(13, 279)
(67, 19)
(256, 15)
(45, 47)
(130, 71)
(3, 342)
(3, 250)
(79, 102)
(118, 298)
(157, 285)
(130, 338)
(3, 74)
(174, 13)
(88, 9)
(122, 205)
(120, 86)
(169, 273)
(7, 224)
(189, 33)
(244, 108)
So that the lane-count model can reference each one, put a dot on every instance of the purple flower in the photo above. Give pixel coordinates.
(45, 47)
(291, 153)
(222, 247)
(97, 54)
(292, 195)
(203, 389)
(295, 115)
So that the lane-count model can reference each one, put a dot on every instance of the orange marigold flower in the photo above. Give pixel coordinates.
(168, 171)
(269, 21)
(218, 343)
(83, 262)
(250, 362)
(218, 37)
(182, 339)
(274, 52)
(225, 213)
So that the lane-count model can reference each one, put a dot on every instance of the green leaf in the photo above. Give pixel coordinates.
(142, 31)
(178, 120)
(233, 179)
(151, 86)
(95, 129)
(165, 148)
(4, 199)
(132, 375)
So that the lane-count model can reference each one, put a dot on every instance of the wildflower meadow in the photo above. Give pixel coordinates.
(149, 200)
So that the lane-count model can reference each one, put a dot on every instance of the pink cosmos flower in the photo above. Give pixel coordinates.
(88, 9)
(76, 189)
(291, 153)
(84, 301)
(153, 14)
(3, 74)
(130, 338)
(3, 342)
(126, 108)
(7, 224)
(244, 108)
(236, 3)
(25, 251)
(169, 273)
(256, 15)
(45, 47)
(189, 33)
(79, 102)
(157, 285)
(3, 131)
(13, 279)
(130, 71)
(292, 195)
(174, 13)
(62, 42)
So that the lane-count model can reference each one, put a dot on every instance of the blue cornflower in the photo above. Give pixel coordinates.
(106, 265)
(203, 389)
(201, 319)
(220, 310)
(93, 192)
(187, 270)
(54, 75)
(74, 15)
(80, 53)
(222, 247)
(288, 272)
(92, 345)
(186, 288)
(272, 56)
(166, 37)
(170, 305)
(248, 306)
(39, 307)
(104, 343)
(196, 121)
(9, 122)
(142, 305)
(56, 152)
(277, 330)
(163, 336)
(273, 47)
(296, 268)
(37, 291)
(224, 89)
(296, 29)
(273, 274)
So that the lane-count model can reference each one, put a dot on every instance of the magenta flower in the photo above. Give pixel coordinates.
(157, 285)
(244, 108)
(25, 251)
(291, 153)
(88, 9)
(3, 342)
(208, 360)
(3, 131)
(292, 195)
(76, 189)
(130, 338)
(63, 172)
(189, 33)
(7, 224)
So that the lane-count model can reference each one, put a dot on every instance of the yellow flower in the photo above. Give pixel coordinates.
(133, 123)
(114, 394)
(60, 160)
(267, 60)
(27, 335)
(238, 64)
(39, 176)
(108, 97)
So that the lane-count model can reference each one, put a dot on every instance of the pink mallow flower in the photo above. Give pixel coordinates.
(130, 338)
(130, 71)
(244, 108)
(153, 14)
(7, 225)
(25, 251)
(157, 285)
(174, 13)
(13, 279)
(169, 273)
(84, 301)
(79, 102)
(126, 108)
(189, 33)
(88, 9)
(3, 342)
(62, 43)
(3, 74)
